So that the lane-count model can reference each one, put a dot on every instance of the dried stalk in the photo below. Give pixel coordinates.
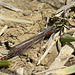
(66, 7)
(3, 29)
(10, 7)
(15, 19)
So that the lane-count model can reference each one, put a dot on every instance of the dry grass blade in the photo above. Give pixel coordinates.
(59, 14)
(65, 7)
(46, 52)
(51, 71)
(3, 29)
(63, 70)
(52, 42)
(15, 19)
(10, 7)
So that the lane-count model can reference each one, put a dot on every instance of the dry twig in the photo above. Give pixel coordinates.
(65, 7)
(3, 29)
(15, 19)
(10, 7)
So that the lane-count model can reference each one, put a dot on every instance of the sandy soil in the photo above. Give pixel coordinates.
(37, 12)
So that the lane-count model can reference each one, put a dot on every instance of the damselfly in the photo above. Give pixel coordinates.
(28, 43)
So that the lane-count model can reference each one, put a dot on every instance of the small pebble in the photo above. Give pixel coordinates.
(19, 71)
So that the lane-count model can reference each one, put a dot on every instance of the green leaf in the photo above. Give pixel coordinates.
(67, 38)
(5, 63)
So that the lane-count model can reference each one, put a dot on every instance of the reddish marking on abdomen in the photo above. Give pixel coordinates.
(50, 32)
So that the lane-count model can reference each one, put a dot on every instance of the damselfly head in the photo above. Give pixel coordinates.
(65, 22)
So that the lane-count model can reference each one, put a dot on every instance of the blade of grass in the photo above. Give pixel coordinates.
(67, 38)
(5, 63)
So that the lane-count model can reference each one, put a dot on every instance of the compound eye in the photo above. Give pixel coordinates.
(67, 23)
